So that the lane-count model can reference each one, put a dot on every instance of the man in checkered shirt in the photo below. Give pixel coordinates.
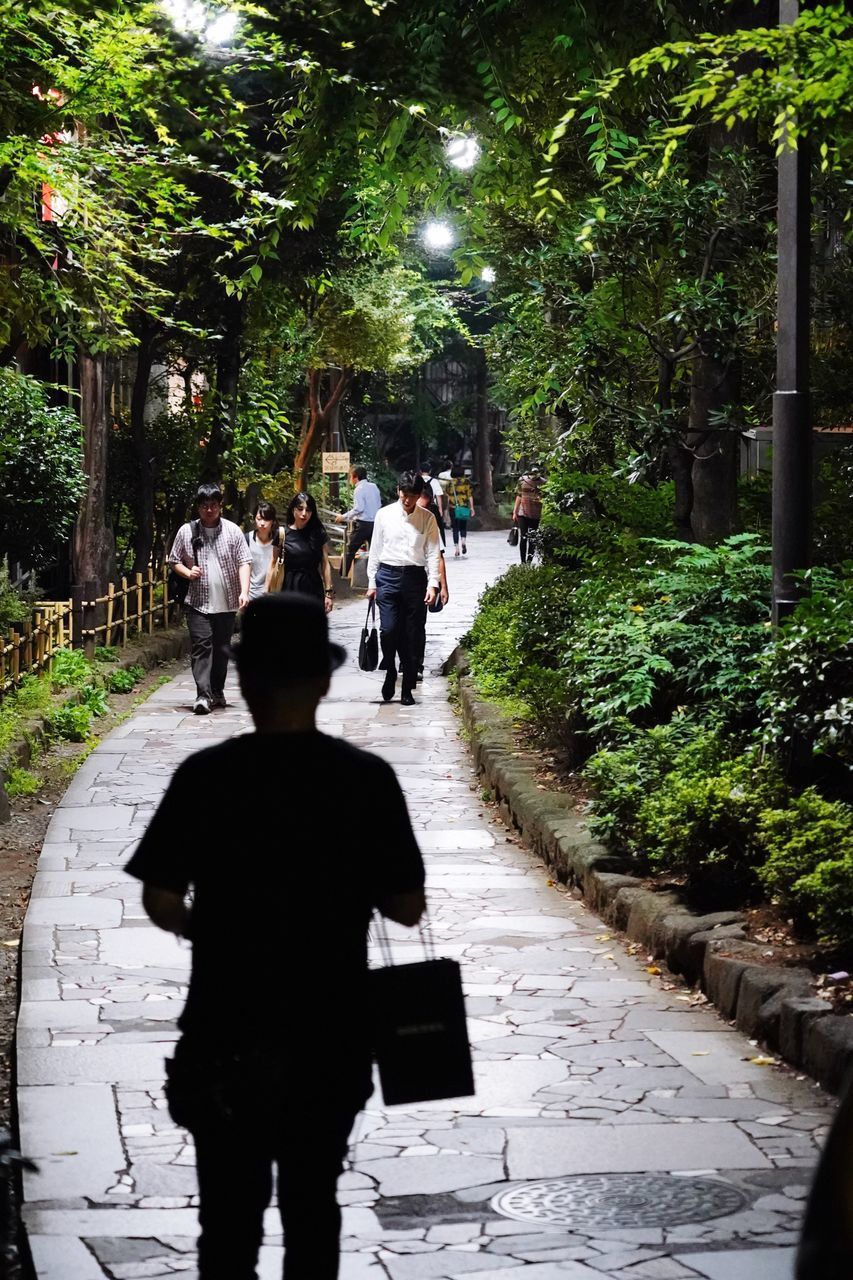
(218, 565)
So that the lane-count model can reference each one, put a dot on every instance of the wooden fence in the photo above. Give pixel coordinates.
(133, 607)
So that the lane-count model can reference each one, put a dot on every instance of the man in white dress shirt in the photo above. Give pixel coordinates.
(366, 501)
(403, 573)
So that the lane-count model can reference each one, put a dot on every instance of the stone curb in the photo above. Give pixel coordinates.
(153, 649)
(769, 1003)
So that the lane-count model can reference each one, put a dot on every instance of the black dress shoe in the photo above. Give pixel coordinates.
(388, 686)
(406, 698)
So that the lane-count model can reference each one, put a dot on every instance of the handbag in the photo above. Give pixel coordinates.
(461, 510)
(437, 604)
(368, 649)
(178, 584)
(420, 1039)
(512, 536)
(276, 576)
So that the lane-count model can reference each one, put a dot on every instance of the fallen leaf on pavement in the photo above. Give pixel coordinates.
(652, 968)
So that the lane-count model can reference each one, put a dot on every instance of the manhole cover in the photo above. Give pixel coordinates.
(620, 1200)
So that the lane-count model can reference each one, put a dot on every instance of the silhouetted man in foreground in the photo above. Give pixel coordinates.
(274, 1062)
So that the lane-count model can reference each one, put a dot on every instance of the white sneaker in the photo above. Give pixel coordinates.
(201, 707)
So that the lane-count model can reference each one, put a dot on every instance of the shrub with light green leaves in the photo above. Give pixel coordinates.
(808, 867)
(70, 669)
(72, 721)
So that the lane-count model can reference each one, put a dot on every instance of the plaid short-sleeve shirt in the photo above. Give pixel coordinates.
(231, 550)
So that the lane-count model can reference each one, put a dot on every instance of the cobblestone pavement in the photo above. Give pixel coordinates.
(619, 1130)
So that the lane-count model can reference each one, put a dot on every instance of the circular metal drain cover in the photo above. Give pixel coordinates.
(602, 1201)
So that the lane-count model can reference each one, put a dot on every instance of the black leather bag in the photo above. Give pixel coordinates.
(368, 649)
(437, 604)
(512, 536)
(420, 1038)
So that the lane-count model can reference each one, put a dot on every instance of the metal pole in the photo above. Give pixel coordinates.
(792, 430)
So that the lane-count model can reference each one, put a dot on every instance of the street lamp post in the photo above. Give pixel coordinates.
(792, 429)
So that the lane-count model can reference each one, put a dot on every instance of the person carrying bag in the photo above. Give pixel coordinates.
(461, 501)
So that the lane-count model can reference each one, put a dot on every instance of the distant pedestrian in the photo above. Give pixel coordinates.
(219, 571)
(274, 1060)
(427, 501)
(527, 511)
(436, 486)
(366, 501)
(261, 542)
(460, 499)
(403, 573)
(306, 551)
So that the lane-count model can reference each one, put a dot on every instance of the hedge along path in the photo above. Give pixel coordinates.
(586, 1063)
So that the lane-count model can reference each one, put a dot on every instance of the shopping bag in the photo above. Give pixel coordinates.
(368, 649)
(512, 536)
(420, 1038)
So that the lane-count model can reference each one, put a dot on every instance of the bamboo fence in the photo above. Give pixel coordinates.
(132, 607)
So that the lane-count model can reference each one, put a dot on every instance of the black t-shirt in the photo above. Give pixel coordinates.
(288, 842)
(303, 557)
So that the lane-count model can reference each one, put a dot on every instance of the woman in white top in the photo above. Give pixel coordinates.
(261, 541)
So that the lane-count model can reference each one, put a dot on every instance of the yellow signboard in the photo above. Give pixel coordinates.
(335, 463)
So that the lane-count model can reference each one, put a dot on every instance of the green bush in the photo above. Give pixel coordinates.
(806, 700)
(124, 680)
(588, 515)
(808, 865)
(20, 782)
(95, 699)
(702, 823)
(14, 607)
(70, 669)
(683, 630)
(41, 470)
(72, 721)
(624, 776)
(106, 653)
(515, 642)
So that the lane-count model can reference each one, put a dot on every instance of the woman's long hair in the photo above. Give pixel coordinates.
(315, 529)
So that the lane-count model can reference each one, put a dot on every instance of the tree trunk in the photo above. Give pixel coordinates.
(715, 464)
(320, 418)
(94, 545)
(482, 452)
(228, 366)
(143, 541)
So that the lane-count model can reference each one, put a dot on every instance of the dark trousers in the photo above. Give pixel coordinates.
(458, 527)
(362, 531)
(235, 1166)
(526, 544)
(209, 635)
(400, 595)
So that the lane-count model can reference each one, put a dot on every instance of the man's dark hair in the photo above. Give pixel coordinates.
(208, 492)
(426, 468)
(410, 482)
(457, 472)
(360, 473)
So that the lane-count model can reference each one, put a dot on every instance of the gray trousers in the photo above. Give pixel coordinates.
(209, 635)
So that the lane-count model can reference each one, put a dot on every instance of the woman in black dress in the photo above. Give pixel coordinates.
(306, 551)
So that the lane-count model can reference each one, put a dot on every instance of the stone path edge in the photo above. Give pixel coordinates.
(165, 646)
(769, 1003)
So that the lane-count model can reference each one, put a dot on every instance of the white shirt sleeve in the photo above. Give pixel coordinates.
(375, 557)
(432, 547)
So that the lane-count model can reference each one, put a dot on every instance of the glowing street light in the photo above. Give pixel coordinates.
(191, 17)
(438, 236)
(462, 151)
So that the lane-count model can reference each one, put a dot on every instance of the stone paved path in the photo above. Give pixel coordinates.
(586, 1064)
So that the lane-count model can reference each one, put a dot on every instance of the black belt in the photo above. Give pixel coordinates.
(403, 568)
